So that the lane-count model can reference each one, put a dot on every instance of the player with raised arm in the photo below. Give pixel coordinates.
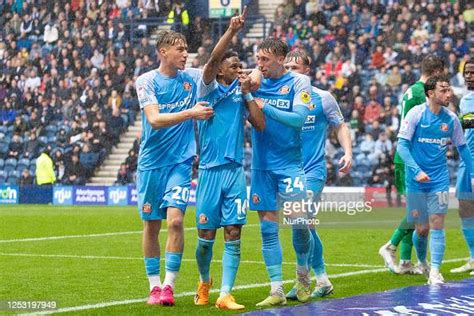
(422, 145)
(415, 95)
(277, 165)
(221, 199)
(464, 189)
(167, 98)
(324, 112)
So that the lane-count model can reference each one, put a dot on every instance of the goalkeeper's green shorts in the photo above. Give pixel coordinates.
(400, 177)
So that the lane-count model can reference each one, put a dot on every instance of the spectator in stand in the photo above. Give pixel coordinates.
(88, 160)
(116, 126)
(15, 149)
(31, 147)
(372, 112)
(25, 178)
(124, 176)
(383, 145)
(74, 172)
(132, 160)
(367, 145)
(45, 168)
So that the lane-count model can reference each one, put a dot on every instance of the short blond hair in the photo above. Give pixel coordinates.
(168, 38)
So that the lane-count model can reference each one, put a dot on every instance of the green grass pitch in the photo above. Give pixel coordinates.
(98, 259)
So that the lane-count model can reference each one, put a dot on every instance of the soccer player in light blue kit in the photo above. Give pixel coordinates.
(422, 145)
(464, 189)
(221, 198)
(167, 98)
(277, 166)
(324, 112)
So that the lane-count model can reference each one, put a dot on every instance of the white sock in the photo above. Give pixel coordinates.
(322, 278)
(154, 281)
(434, 271)
(170, 278)
(222, 294)
(277, 287)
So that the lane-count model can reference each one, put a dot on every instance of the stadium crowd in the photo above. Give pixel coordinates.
(68, 72)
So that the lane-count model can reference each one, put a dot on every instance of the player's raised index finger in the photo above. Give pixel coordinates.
(244, 12)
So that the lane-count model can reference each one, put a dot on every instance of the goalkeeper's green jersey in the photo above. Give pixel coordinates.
(415, 95)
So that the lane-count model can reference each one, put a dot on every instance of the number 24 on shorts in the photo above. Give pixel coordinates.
(290, 184)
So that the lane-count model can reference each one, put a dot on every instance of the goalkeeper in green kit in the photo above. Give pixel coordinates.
(415, 95)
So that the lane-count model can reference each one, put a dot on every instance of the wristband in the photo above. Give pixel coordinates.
(248, 97)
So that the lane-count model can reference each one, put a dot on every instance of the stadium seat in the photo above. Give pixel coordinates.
(50, 131)
(14, 173)
(10, 164)
(12, 180)
(3, 148)
(52, 140)
(23, 163)
(43, 139)
(2, 163)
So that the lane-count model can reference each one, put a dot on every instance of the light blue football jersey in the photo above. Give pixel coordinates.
(429, 134)
(466, 105)
(278, 146)
(221, 138)
(175, 144)
(324, 112)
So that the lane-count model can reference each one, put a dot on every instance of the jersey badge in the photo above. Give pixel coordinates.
(444, 127)
(284, 90)
(305, 97)
(187, 86)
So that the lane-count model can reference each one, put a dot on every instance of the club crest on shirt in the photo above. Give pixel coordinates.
(284, 90)
(444, 127)
(311, 106)
(255, 198)
(146, 208)
(187, 86)
(202, 219)
(305, 97)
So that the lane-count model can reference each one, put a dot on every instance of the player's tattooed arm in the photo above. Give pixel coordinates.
(256, 116)
(212, 66)
(158, 120)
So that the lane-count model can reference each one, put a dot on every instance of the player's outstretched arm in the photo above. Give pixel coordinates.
(404, 150)
(344, 137)
(160, 120)
(256, 116)
(212, 66)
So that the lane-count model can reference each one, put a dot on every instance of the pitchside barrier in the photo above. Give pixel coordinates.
(127, 195)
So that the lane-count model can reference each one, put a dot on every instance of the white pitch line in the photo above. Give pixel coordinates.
(184, 259)
(236, 288)
(92, 235)
(183, 294)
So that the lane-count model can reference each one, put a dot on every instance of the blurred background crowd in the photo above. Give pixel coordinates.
(68, 70)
